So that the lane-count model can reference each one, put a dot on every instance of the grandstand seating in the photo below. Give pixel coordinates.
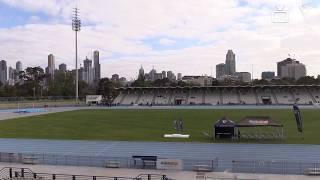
(179, 97)
(212, 97)
(275, 95)
(230, 96)
(301, 96)
(146, 98)
(196, 97)
(265, 96)
(162, 97)
(315, 92)
(284, 96)
(130, 98)
(247, 96)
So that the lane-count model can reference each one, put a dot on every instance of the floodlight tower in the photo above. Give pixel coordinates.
(76, 26)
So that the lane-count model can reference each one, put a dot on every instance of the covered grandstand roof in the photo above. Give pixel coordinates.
(204, 87)
(257, 121)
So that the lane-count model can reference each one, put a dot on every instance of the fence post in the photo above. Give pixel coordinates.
(22, 172)
(53, 176)
(10, 173)
(94, 178)
(73, 177)
(34, 175)
(149, 177)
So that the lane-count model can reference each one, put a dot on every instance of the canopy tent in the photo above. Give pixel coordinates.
(224, 128)
(257, 123)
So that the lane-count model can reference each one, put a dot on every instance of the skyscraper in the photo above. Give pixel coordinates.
(88, 71)
(97, 66)
(230, 63)
(220, 70)
(3, 71)
(18, 66)
(51, 65)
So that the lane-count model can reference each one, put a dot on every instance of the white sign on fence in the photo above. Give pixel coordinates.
(170, 164)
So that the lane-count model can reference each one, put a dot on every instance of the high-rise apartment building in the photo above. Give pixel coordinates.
(230, 63)
(3, 72)
(51, 65)
(97, 66)
(88, 71)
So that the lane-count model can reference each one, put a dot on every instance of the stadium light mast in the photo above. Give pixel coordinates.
(76, 26)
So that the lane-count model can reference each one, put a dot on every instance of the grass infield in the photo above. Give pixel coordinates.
(151, 125)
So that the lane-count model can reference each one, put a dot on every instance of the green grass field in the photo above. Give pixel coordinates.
(150, 125)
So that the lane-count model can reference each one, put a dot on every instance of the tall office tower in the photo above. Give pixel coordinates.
(51, 66)
(230, 63)
(97, 66)
(63, 67)
(282, 64)
(88, 71)
(3, 71)
(141, 72)
(220, 70)
(18, 66)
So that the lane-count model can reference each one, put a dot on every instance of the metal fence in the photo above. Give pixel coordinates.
(98, 161)
(237, 166)
(274, 167)
(25, 173)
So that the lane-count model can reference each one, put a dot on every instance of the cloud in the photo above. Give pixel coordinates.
(183, 35)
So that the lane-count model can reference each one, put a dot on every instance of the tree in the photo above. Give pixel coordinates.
(106, 88)
(307, 80)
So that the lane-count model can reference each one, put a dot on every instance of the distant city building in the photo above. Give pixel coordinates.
(88, 71)
(97, 66)
(171, 76)
(198, 80)
(244, 76)
(3, 72)
(268, 75)
(51, 65)
(18, 66)
(230, 63)
(63, 67)
(12, 76)
(115, 77)
(282, 64)
(141, 71)
(295, 70)
(179, 76)
(220, 70)
(164, 74)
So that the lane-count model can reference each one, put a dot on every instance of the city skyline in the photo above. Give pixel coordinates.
(166, 39)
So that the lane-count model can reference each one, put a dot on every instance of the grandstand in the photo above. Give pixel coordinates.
(219, 95)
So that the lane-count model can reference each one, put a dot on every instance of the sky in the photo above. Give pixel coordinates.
(186, 36)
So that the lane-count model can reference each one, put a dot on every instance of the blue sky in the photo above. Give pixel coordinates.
(130, 33)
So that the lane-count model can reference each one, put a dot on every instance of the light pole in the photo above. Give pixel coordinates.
(76, 26)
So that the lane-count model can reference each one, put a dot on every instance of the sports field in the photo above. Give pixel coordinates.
(151, 125)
